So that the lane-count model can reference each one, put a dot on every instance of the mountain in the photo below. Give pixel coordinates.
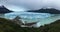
(3, 9)
(51, 11)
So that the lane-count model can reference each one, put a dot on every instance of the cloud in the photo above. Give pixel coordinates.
(33, 4)
(15, 8)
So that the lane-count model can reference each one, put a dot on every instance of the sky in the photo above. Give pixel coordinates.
(23, 5)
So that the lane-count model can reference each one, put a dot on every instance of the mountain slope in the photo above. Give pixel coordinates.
(3, 9)
(53, 27)
(51, 11)
(9, 26)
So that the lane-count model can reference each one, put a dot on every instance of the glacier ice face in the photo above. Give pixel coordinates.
(45, 18)
(28, 15)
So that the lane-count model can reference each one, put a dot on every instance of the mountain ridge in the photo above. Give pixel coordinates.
(51, 11)
(4, 10)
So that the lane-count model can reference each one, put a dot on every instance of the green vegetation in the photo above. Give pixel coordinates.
(53, 27)
(9, 26)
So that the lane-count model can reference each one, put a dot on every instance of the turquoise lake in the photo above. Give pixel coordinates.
(43, 18)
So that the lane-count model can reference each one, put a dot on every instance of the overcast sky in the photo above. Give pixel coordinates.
(21, 5)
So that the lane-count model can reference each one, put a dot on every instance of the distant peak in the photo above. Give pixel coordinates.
(47, 10)
(3, 9)
(2, 6)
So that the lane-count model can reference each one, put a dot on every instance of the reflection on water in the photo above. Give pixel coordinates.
(44, 18)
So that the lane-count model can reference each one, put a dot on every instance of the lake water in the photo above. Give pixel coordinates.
(43, 18)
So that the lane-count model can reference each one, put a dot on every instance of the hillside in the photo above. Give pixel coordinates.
(3, 9)
(9, 26)
(51, 11)
(53, 27)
